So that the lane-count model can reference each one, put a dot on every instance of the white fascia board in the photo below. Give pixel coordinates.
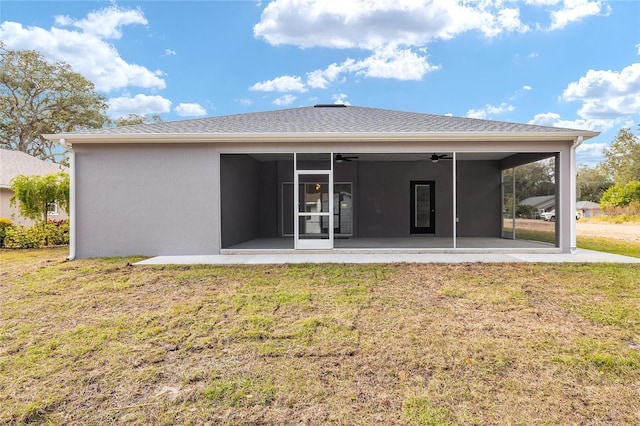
(317, 137)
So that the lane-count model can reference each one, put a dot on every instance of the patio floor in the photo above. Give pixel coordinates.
(393, 250)
(333, 256)
(412, 244)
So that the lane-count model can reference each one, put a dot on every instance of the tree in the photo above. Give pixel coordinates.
(132, 119)
(535, 179)
(591, 183)
(622, 158)
(39, 97)
(35, 194)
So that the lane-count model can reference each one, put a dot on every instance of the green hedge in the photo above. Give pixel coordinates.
(5, 224)
(36, 236)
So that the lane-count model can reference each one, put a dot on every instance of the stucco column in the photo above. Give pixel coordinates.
(573, 245)
(566, 208)
(72, 200)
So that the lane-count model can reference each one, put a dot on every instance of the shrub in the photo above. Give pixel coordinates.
(526, 211)
(5, 224)
(622, 199)
(57, 232)
(38, 235)
(22, 237)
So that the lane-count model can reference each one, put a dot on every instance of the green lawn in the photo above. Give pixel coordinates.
(102, 342)
(608, 245)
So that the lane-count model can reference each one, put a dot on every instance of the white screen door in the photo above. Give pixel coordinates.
(313, 201)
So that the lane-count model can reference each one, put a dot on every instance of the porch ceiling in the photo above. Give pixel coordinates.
(426, 156)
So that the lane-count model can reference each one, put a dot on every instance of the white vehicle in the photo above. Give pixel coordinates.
(548, 216)
(551, 215)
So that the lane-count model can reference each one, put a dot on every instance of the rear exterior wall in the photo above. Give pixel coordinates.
(146, 199)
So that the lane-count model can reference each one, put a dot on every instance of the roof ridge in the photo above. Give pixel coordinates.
(324, 120)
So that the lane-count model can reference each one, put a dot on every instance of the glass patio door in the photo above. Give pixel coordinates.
(313, 201)
(423, 210)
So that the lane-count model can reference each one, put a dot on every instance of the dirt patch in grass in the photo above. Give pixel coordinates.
(100, 341)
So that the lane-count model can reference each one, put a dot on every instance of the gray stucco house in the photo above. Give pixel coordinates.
(328, 177)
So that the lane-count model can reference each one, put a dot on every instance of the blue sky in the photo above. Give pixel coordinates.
(567, 63)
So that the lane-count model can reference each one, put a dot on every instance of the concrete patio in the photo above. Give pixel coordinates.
(386, 256)
(412, 244)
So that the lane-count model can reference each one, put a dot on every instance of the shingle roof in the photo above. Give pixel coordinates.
(540, 202)
(14, 163)
(329, 119)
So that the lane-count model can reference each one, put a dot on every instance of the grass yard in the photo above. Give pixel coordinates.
(608, 245)
(103, 342)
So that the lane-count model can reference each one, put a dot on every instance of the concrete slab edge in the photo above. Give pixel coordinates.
(581, 256)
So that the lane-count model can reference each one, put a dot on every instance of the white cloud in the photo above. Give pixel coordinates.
(169, 52)
(139, 104)
(391, 62)
(590, 153)
(285, 100)
(576, 10)
(86, 50)
(520, 92)
(397, 32)
(387, 62)
(611, 108)
(190, 110)
(319, 79)
(607, 94)
(105, 23)
(285, 83)
(609, 98)
(598, 84)
(543, 2)
(509, 20)
(245, 101)
(638, 47)
(552, 119)
(489, 111)
(340, 99)
(372, 23)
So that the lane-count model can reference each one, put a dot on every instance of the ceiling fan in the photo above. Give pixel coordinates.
(340, 158)
(436, 157)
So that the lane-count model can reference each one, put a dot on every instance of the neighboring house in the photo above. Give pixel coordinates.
(588, 209)
(14, 163)
(269, 180)
(546, 206)
(542, 203)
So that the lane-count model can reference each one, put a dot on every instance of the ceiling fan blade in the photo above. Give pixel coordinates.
(436, 157)
(339, 157)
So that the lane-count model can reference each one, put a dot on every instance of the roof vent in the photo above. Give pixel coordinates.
(330, 106)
